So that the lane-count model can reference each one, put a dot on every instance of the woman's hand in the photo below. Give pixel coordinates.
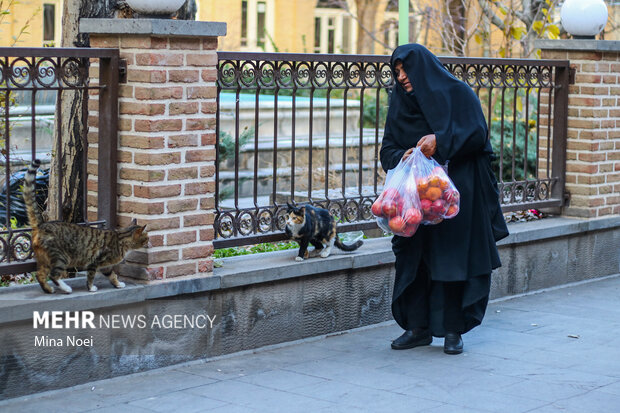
(427, 145)
(408, 153)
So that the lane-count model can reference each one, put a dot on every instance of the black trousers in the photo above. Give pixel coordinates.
(439, 298)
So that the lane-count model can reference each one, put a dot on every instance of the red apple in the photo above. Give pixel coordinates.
(376, 208)
(390, 208)
(413, 216)
(451, 196)
(432, 219)
(391, 193)
(397, 224)
(438, 207)
(452, 211)
(409, 230)
(425, 204)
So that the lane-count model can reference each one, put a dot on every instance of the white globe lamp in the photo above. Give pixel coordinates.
(155, 8)
(583, 19)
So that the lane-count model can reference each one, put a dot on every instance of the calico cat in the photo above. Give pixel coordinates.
(316, 226)
(61, 246)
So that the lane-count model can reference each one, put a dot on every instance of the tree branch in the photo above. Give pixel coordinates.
(495, 19)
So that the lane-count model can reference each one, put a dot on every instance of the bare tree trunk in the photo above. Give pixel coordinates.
(456, 13)
(69, 162)
(366, 14)
(187, 11)
(66, 196)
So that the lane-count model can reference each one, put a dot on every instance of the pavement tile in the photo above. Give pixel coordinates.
(541, 373)
(473, 396)
(281, 379)
(170, 402)
(446, 376)
(547, 392)
(450, 408)
(120, 408)
(247, 394)
(591, 402)
(613, 388)
(367, 398)
(235, 408)
(358, 375)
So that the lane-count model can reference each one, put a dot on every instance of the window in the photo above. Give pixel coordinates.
(333, 30)
(346, 35)
(331, 35)
(261, 10)
(317, 35)
(49, 22)
(244, 23)
(257, 25)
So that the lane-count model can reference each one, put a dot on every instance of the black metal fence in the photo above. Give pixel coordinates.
(308, 128)
(33, 84)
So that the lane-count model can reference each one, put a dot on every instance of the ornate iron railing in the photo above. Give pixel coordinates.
(33, 83)
(308, 128)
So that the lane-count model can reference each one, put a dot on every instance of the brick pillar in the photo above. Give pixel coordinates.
(593, 146)
(166, 141)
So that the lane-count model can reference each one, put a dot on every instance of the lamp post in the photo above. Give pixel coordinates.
(583, 19)
(403, 22)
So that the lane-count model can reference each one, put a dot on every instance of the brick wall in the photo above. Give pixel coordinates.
(593, 145)
(166, 150)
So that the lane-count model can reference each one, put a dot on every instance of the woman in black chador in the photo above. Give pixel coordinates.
(443, 272)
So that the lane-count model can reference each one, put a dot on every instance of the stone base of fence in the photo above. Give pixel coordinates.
(166, 148)
(593, 145)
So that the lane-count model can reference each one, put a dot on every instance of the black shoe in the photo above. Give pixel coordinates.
(412, 338)
(453, 343)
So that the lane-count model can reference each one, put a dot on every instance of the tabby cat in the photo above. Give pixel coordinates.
(61, 246)
(316, 226)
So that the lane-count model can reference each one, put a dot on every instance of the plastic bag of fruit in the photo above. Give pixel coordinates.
(398, 207)
(439, 198)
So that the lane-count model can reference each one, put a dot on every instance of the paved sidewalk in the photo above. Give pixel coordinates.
(556, 351)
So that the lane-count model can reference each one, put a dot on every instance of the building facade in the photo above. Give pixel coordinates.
(31, 23)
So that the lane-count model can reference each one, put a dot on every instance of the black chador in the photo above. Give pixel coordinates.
(458, 252)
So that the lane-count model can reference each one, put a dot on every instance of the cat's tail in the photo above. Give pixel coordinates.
(34, 215)
(347, 247)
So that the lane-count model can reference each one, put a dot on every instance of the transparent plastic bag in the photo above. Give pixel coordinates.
(398, 207)
(439, 198)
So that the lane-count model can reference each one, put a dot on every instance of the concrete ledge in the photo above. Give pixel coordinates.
(522, 232)
(253, 269)
(578, 44)
(155, 27)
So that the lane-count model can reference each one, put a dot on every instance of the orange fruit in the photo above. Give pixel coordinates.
(433, 193)
(443, 184)
(434, 180)
(422, 184)
(422, 194)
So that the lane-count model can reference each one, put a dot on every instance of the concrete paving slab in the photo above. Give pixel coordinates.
(281, 379)
(119, 408)
(613, 388)
(169, 402)
(509, 365)
(247, 394)
(547, 392)
(591, 402)
(366, 398)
